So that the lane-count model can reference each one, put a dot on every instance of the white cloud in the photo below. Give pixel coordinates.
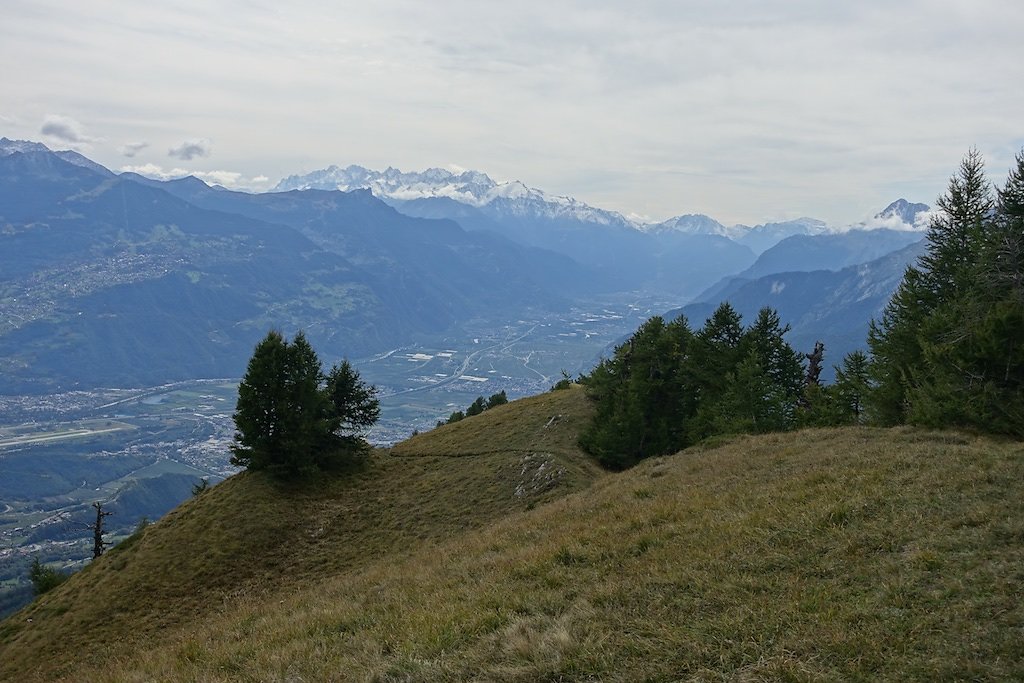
(157, 172)
(65, 129)
(130, 149)
(190, 149)
(888, 223)
(924, 219)
(747, 111)
(225, 178)
(229, 179)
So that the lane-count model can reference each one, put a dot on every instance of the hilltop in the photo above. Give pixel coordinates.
(492, 549)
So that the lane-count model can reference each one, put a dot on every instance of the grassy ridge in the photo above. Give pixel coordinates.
(250, 538)
(851, 554)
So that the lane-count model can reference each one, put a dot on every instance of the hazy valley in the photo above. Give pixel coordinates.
(132, 304)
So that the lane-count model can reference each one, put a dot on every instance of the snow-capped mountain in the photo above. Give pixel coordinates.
(695, 224)
(8, 147)
(534, 217)
(473, 188)
(902, 215)
(766, 235)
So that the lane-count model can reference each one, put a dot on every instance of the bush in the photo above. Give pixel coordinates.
(44, 578)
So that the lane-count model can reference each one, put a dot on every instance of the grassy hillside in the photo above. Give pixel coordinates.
(251, 539)
(849, 554)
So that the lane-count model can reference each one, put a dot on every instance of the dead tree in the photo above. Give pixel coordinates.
(98, 544)
(814, 364)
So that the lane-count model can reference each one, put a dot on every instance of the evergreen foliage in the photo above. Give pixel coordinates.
(43, 577)
(498, 399)
(949, 348)
(852, 386)
(291, 418)
(563, 383)
(641, 406)
(668, 387)
(478, 406)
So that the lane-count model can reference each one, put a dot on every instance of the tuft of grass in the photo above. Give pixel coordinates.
(846, 554)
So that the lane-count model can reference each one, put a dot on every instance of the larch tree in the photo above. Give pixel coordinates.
(291, 419)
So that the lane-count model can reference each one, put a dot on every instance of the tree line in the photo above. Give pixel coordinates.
(476, 407)
(668, 387)
(948, 349)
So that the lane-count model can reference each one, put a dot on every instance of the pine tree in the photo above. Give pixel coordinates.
(948, 350)
(353, 408)
(43, 577)
(945, 273)
(851, 387)
(640, 396)
(476, 407)
(498, 399)
(896, 348)
(764, 389)
(956, 234)
(291, 419)
(262, 405)
(716, 353)
(751, 402)
(973, 361)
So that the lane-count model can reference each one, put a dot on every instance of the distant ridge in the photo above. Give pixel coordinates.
(515, 199)
(466, 187)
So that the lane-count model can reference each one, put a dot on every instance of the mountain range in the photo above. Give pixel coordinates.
(123, 280)
(118, 280)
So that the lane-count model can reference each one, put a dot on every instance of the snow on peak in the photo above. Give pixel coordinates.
(8, 147)
(692, 224)
(474, 188)
(900, 215)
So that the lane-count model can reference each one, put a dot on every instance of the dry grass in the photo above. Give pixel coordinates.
(548, 422)
(849, 554)
(250, 539)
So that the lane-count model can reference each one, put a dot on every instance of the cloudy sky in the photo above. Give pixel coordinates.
(746, 110)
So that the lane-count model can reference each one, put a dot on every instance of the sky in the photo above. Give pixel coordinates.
(745, 110)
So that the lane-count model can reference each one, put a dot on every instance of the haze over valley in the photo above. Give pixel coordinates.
(131, 305)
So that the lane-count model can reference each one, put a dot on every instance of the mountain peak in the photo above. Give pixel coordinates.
(473, 188)
(905, 211)
(691, 224)
(8, 146)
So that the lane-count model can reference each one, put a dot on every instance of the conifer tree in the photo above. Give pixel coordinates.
(353, 408)
(641, 396)
(955, 240)
(948, 349)
(498, 399)
(851, 387)
(956, 234)
(44, 578)
(476, 407)
(291, 419)
(716, 353)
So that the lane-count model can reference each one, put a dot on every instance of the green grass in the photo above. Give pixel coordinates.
(849, 554)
